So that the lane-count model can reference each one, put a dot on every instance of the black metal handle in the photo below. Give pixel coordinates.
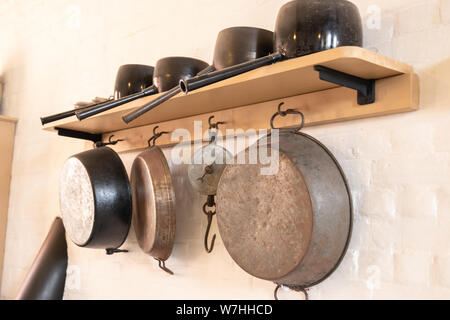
(133, 115)
(284, 114)
(169, 94)
(162, 265)
(216, 76)
(86, 113)
(111, 251)
(67, 114)
(207, 70)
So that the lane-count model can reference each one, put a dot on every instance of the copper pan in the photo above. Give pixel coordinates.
(153, 203)
(292, 227)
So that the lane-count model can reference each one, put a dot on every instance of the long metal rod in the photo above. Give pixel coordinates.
(216, 76)
(133, 115)
(83, 114)
(67, 114)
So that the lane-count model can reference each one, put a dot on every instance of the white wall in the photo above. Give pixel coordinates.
(55, 53)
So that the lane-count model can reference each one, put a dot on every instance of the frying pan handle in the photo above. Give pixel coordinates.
(110, 252)
(56, 117)
(162, 265)
(67, 114)
(284, 114)
(169, 94)
(146, 108)
(297, 289)
(216, 76)
(92, 111)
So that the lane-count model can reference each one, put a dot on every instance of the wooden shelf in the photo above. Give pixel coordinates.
(257, 93)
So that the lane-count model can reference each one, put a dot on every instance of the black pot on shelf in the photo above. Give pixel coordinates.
(132, 78)
(302, 27)
(309, 26)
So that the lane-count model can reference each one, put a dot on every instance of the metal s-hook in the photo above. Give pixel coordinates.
(213, 126)
(156, 135)
(210, 214)
(162, 265)
(284, 114)
(297, 289)
(100, 144)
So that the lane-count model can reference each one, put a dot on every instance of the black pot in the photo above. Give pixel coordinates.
(169, 71)
(95, 199)
(308, 26)
(132, 78)
(234, 45)
(303, 27)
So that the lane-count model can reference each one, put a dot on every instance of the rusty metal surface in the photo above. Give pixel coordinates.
(153, 203)
(292, 228)
(265, 220)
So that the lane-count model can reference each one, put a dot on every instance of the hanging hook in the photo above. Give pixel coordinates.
(297, 289)
(210, 214)
(100, 144)
(156, 135)
(284, 114)
(162, 265)
(213, 126)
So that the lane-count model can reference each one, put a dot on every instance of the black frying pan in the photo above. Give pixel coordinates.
(302, 27)
(234, 45)
(130, 79)
(95, 199)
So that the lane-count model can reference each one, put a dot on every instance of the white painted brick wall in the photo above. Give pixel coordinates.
(398, 167)
(445, 11)
(418, 17)
(413, 268)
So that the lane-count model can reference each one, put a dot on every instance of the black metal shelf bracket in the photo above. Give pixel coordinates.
(365, 88)
(79, 135)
